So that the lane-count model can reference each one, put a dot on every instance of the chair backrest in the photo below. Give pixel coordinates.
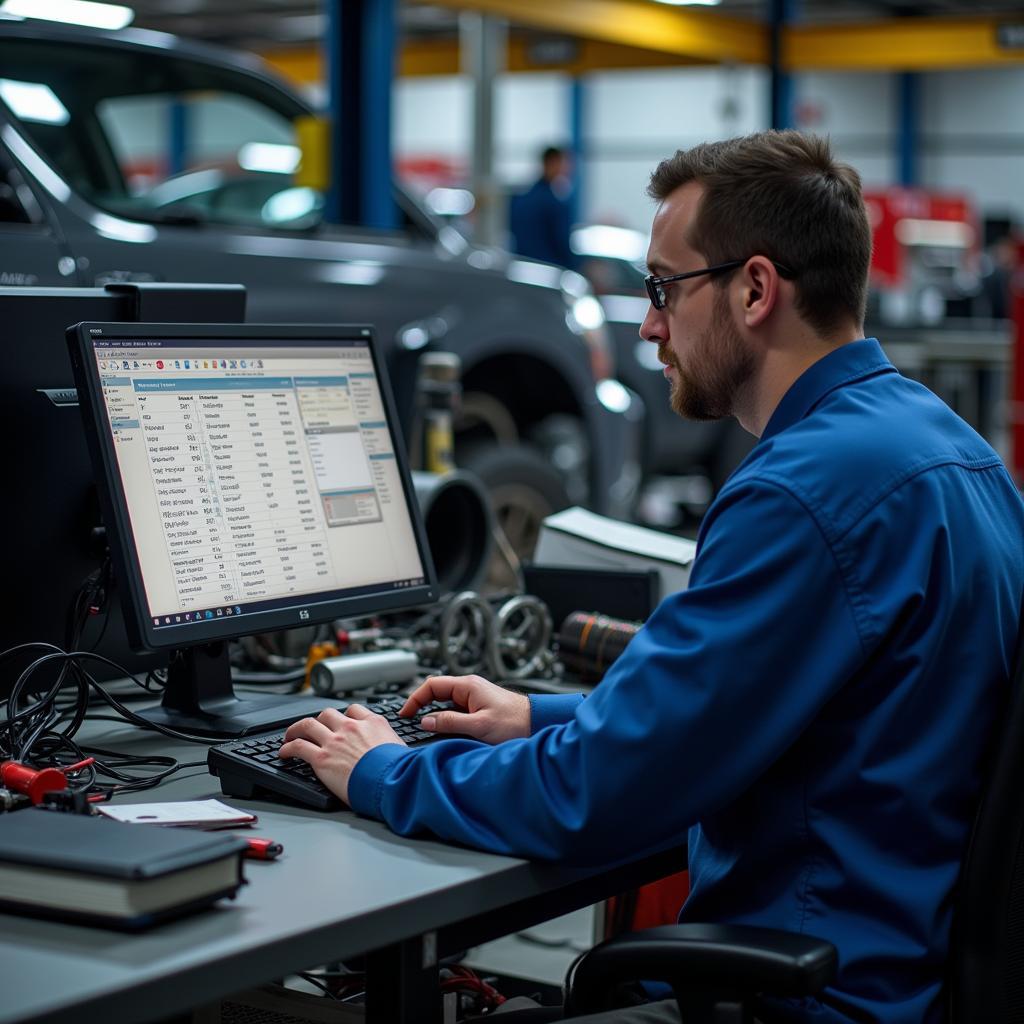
(986, 976)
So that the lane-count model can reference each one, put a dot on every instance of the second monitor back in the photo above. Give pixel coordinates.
(50, 523)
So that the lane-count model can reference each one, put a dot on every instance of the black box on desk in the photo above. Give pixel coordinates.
(630, 594)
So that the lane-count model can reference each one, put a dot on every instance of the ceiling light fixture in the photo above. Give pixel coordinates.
(71, 12)
(690, 3)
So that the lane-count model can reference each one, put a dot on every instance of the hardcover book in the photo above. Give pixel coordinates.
(92, 870)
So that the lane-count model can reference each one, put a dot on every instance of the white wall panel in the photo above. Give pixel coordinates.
(432, 115)
(634, 119)
(849, 104)
(984, 100)
(995, 182)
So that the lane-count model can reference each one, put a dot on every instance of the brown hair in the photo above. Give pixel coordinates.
(781, 194)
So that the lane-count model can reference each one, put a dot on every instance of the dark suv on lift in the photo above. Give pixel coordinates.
(136, 156)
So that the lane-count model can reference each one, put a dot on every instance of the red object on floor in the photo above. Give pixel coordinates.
(650, 905)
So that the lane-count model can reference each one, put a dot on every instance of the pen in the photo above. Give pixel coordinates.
(262, 849)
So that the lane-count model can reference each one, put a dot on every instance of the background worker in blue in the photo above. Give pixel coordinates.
(540, 219)
(815, 706)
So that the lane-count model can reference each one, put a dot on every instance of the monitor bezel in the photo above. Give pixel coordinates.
(99, 438)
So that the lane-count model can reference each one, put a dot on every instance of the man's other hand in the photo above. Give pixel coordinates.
(332, 743)
(492, 713)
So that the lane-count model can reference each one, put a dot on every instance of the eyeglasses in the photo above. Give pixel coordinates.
(656, 285)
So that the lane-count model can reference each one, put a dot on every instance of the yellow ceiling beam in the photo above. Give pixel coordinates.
(917, 44)
(686, 33)
(441, 57)
(904, 44)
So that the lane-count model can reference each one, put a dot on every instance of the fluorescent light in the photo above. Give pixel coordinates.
(71, 12)
(269, 156)
(691, 3)
(33, 101)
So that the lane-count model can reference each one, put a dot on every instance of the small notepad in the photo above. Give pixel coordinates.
(182, 813)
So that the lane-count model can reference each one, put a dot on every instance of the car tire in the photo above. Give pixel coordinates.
(523, 488)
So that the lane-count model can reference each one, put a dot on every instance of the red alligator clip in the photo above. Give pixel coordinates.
(35, 783)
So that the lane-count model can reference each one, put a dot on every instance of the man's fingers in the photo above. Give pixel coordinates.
(299, 748)
(433, 688)
(309, 729)
(358, 711)
(331, 717)
(455, 722)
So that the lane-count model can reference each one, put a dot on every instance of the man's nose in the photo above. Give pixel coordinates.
(653, 327)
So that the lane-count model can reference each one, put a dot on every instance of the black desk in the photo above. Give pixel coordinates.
(343, 886)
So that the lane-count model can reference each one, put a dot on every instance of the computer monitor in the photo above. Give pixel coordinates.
(253, 478)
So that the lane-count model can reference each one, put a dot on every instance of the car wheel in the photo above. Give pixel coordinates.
(523, 488)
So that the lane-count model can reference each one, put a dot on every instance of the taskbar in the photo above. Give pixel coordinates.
(182, 617)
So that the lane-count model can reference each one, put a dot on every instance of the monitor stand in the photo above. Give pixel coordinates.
(199, 698)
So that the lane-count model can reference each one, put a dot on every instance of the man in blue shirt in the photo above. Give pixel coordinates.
(814, 708)
(539, 220)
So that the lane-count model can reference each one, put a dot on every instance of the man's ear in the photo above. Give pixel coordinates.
(760, 290)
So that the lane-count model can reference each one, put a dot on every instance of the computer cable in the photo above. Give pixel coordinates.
(38, 729)
(92, 599)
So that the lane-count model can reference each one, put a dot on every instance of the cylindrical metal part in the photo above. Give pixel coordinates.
(589, 643)
(360, 671)
(459, 524)
(440, 389)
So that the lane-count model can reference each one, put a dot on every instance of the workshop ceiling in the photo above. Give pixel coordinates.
(263, 25)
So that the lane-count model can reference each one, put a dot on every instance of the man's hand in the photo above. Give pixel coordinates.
(333, 742)
(493, 714)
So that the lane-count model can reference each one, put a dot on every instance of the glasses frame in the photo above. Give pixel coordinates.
(654, 284)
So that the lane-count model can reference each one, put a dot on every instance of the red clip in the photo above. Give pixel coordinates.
(262, 849)
(34, 783)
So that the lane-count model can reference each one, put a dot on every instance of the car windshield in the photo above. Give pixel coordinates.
(152, 136)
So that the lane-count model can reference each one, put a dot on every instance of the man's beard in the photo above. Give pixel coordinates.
(719, 365)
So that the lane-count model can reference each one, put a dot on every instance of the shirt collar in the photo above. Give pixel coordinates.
(849, 363)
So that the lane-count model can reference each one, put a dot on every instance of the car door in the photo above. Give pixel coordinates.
(32, 252)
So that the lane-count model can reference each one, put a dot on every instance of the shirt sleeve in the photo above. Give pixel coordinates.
(552, 709)
(717, 685)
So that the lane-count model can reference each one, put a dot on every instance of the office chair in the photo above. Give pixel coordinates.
(717, 972)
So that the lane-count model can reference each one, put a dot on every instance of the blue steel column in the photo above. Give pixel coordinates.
(177, 137)
(909, 122)
(378, 206)
(360, 66)
(577, 113)
(782, 13)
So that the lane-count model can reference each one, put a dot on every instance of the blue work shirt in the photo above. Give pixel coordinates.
(539, 221)
(813, 708)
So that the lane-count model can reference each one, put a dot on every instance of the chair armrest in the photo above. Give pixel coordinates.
(712, 960)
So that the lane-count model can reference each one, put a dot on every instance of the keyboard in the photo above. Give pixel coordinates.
(249, 767)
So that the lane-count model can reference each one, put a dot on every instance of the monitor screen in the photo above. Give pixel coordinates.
(255, 477)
